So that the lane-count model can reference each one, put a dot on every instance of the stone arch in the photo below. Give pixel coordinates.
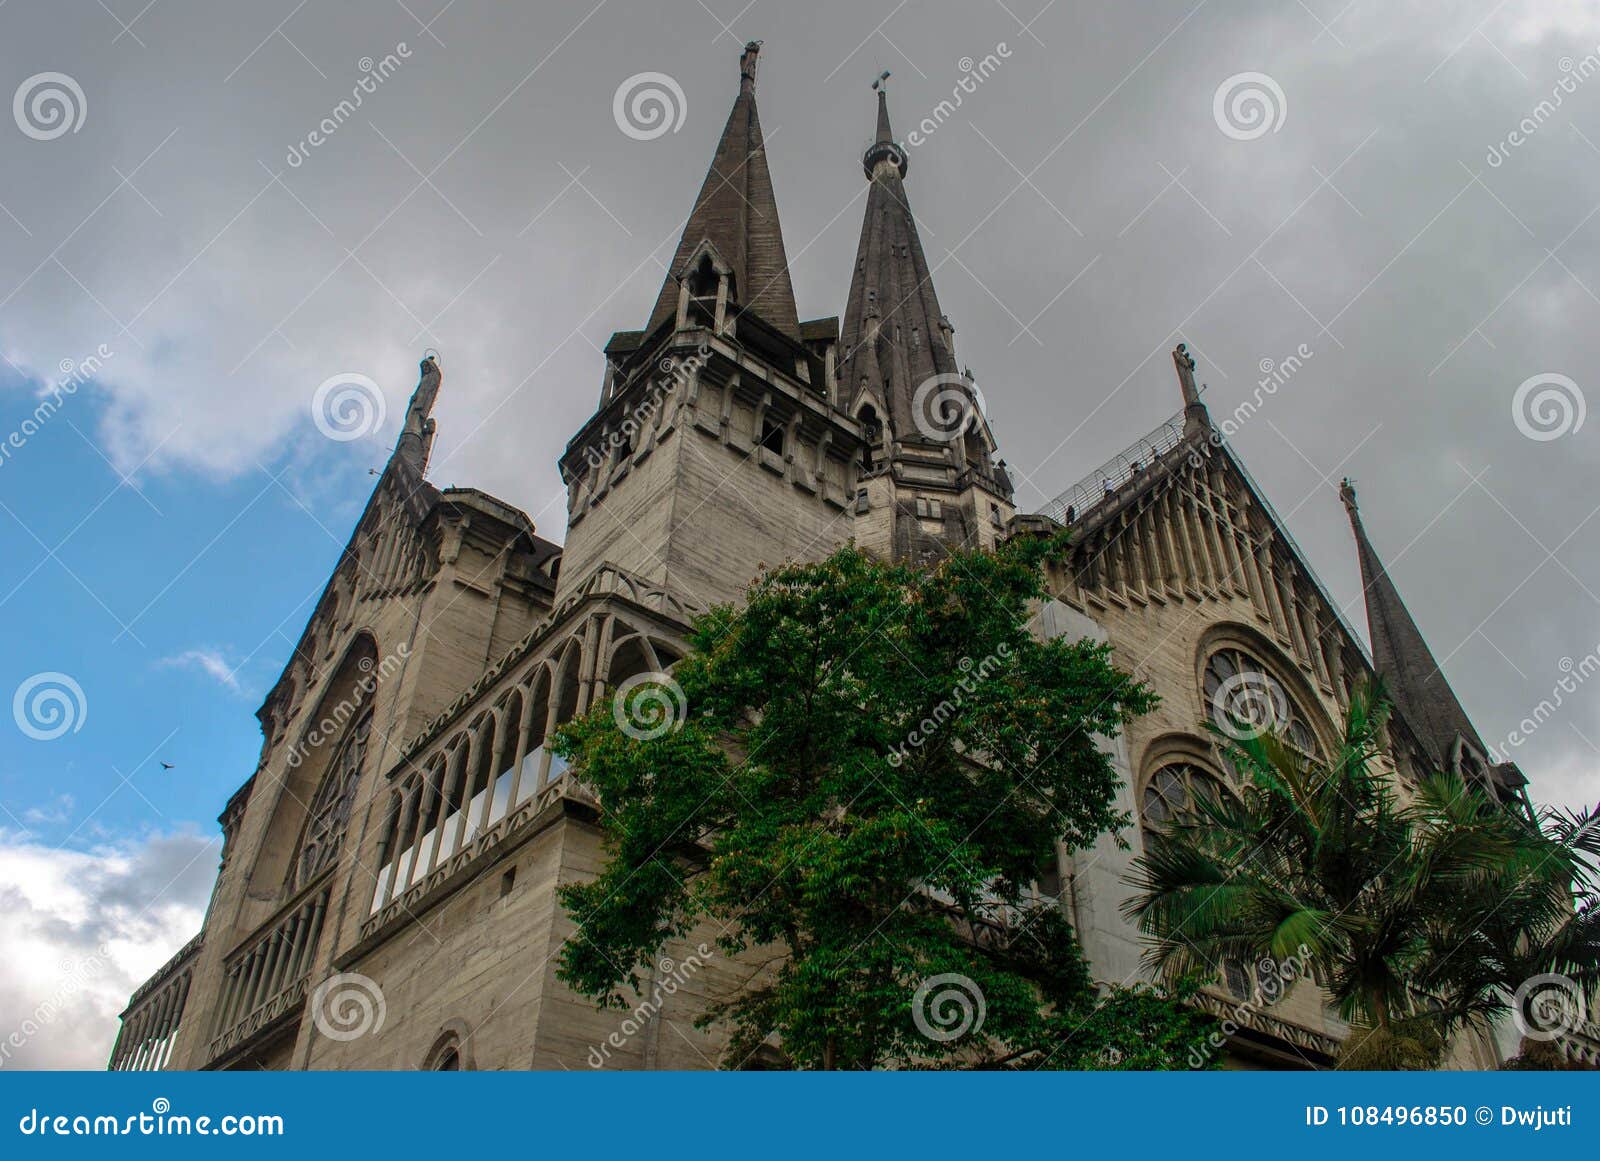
(1173, 767)
(452, 1049)
(539, 685)
(869, 412)
(635, 651)
(1304, 704)
(348, 697)
(566, 686)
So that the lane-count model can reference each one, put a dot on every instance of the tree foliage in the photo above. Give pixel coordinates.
(1419, 916)
(875, 765)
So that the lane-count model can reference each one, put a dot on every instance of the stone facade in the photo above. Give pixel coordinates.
(387, 891)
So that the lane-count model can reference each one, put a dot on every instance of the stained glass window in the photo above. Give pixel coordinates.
(330, 809)
(1241, 693)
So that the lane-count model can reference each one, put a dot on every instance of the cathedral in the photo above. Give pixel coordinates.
(387, 891)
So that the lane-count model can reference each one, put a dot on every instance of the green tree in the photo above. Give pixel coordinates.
(876, 764)
(1408, 912)
(1530, 943)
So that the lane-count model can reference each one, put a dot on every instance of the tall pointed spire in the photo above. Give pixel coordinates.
(1401, 656)
(893, 336)
(737, 213)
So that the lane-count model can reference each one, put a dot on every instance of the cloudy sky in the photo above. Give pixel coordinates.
(1404, 197)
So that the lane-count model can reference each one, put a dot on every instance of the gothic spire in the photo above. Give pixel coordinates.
(894, 336)
(737, 213)
(1400, 655)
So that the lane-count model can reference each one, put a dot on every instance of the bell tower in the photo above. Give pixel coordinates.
(718, 443)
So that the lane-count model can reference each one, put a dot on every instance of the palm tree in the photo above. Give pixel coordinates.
(1321, 861)
(1537, 942)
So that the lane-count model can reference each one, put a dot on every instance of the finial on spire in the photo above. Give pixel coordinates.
(747, 66)
(1347, 497)
(883, 147)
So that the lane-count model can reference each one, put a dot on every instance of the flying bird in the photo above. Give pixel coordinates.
(166, 765)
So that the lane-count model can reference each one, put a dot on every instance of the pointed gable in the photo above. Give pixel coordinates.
(737, 213)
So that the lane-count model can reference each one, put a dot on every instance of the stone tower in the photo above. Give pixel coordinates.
(718, 442)
(929, 473)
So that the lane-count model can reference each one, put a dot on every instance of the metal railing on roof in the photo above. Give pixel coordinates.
(1105, 481)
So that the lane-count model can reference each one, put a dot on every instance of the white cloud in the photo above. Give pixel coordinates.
(211, 662)
(57, 810)
(81, 930)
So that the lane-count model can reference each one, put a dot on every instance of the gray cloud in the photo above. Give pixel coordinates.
(82, 930)
(1370, 227)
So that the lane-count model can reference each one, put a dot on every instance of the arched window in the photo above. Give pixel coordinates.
(452, 1051)
(1171, 794)
(873, 431)
(330, 809)
(703, 279)
(1240, 691)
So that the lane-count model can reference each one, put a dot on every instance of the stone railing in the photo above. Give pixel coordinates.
(1105, 481)
(265, 980)
(485, 847)
(154, 1013)
(606, 581)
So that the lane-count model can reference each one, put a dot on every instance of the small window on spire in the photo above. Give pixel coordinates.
(872, 430)
(703, 282)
